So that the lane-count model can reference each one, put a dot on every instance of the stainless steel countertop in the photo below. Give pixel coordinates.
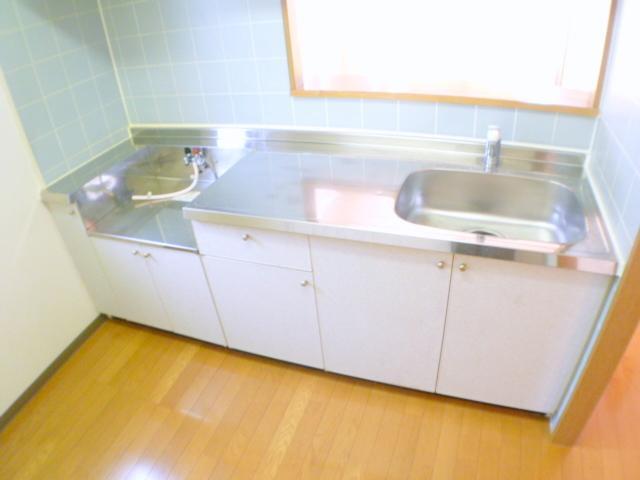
(335, 184)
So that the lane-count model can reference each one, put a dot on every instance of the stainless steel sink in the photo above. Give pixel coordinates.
(510, 207)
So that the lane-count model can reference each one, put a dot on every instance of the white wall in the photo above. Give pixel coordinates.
(43, 303)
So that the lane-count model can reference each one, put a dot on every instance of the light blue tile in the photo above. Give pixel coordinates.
(48, 152)
(277, 109)
(573, 131)
(72, 139)
(9, 18)
(187, 80)
(107, 88)
(274, 76)
(115, 116)
(155, 49)
(208, 44)
(99, 59)
(76, 65)
(124, 20)
(162, 82)
(13, 51)
(310, 112)
(61, 8)
(193, 109)
(501, 117)
(219, 109)
(247, 108)
(62, 108)
(243, 76)
(623, 180)
(146, 110)
(174, 14)
(631, 210)
(232, 11)
(148, 16)
(180, 47)
(455, 120)
(202, 13)
(138, 80)
(417, 117)
(344, 113)
(91, 28)
(236, 42)
(168, 109)
(534, 127)
(379, 114)
(265, 10)
(67, 33)
(24, 86)
(82, 6)
(86, 95)
(95, 126)
(41, 41)
(51, 76)
(31, 12)
(269, 40)
(35, 120)
(131, 51)
(214, 78)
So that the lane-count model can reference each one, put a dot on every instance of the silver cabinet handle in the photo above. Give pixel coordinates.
(246, 237)
(440, 264)
(146, 255)
(135, 252)
(304, 283)
(462, 267)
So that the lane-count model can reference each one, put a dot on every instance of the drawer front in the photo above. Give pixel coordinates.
(253, 245)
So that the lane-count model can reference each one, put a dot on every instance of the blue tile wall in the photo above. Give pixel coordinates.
(224, 61)
(615, 158)
(59, 71)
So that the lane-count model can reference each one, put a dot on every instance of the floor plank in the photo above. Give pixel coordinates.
(136, 403)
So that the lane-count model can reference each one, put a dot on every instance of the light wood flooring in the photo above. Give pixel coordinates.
(133, 403)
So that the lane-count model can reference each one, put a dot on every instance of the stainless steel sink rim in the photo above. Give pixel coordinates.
(507, 206)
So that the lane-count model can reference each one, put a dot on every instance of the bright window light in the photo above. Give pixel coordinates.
(537, 52)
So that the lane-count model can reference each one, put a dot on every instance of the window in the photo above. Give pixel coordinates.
(545, 54)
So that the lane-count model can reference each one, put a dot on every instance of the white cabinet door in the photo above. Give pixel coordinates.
(137, 298)
(69, 223)
(184, 292)
(381, 310)
(514, 332)
(266, 310)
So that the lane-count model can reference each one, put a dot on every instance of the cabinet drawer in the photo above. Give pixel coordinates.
(253, 245)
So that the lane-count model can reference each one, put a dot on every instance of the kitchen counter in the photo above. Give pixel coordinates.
(350, 194)
(340, 185)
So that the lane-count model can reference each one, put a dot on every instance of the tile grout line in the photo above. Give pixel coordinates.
(114, 65)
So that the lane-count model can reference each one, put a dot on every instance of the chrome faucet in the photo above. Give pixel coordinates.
(491, 159)
(197, 156)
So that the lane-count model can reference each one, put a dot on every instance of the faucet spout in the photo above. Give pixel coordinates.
(491, 159)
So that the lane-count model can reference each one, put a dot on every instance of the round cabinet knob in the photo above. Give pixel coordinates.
(462, 267)
(304, 283)
(146, 255)
(135, 252)
(246, 237)
(72, 212)
(440, 264)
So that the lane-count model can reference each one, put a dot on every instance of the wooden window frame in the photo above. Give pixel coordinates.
(297, 90)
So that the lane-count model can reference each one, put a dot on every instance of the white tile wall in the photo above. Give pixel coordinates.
(224, 61)
(615, 159)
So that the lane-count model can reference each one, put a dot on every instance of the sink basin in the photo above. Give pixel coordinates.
(505, 206)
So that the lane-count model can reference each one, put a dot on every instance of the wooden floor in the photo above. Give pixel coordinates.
(134, 403)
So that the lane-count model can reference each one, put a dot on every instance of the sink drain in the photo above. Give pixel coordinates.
(480, 231)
